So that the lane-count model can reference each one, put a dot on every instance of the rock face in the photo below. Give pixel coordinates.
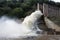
(52, 27)
(51, 24)
(41, 23)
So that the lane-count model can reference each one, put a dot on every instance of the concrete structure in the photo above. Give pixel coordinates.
(51, 10)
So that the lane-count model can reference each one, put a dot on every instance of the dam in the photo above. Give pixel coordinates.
(26, 30)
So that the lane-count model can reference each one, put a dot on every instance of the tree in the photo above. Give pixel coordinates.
(17, 12)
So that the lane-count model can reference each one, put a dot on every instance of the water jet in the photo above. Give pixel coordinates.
(9, 28)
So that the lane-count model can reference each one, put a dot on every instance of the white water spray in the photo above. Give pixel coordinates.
(31, 21)
(9, 28)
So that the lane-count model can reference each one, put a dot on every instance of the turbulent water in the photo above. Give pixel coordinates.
(31, 21)
(10, 28)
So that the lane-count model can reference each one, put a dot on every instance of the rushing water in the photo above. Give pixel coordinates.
(10, 28)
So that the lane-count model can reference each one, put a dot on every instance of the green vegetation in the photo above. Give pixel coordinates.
(20, 9)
